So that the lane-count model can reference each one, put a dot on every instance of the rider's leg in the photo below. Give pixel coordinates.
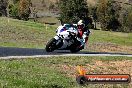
(84, 39)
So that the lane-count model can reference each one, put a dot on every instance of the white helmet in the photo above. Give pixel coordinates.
(80, 22)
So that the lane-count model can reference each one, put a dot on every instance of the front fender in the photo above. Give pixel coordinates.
(59, 41)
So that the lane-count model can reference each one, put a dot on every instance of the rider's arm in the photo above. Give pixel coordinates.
(87, 32)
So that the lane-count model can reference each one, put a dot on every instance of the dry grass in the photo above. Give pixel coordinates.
(110, 47)
(99, 67)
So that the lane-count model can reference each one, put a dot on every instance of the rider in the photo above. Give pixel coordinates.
(83, 30)
(83, 33)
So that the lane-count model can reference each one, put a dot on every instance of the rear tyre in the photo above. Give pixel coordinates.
(74, 48)
(51, 45)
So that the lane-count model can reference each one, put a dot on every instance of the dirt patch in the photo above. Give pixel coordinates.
(109, 47)
(110, 67)
(69, 70)
(99, 67)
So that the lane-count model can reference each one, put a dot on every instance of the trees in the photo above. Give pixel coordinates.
(20, 9)
(3, 6)
(113, 10)
(15, 1)
(128, 23)
(24, 9)
(72, 10)
(126, 19)
(13, 9)
(108, 14)
(101, 11)
(94, 15)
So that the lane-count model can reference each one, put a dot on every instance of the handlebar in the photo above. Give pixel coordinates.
(72, 34)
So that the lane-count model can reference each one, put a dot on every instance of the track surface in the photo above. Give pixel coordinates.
(11, 52)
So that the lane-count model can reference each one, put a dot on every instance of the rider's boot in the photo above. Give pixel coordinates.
(83, 42)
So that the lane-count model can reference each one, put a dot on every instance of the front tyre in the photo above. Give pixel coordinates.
(51, 45)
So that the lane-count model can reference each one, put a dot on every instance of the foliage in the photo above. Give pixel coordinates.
(126, 19)
(72, 10)
(24, 9)
(101, 11)
(20, 9)
(93, 13)
(108, 14)
(113, 10)
(13, 10)
(15, 1)
(3, 6)
(128, 23)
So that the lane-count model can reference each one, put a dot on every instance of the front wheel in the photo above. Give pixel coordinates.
(51, 45)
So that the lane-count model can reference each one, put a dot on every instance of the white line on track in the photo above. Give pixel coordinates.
(42, 56)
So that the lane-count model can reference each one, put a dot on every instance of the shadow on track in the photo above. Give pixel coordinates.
(13, 51)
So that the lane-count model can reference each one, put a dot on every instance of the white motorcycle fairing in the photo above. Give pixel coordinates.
(65, 36)
(64, 40)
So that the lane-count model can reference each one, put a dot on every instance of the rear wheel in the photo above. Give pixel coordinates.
(51, 45)
(74, 48)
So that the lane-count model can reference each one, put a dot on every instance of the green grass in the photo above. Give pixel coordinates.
(30, 74)
(48, 72)
(118, 38)
(17, 33)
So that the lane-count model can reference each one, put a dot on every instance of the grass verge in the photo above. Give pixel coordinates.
(60, 72)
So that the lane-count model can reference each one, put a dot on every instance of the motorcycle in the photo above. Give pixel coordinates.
(64, 40)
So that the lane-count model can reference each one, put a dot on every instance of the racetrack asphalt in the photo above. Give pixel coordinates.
(13, 52)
